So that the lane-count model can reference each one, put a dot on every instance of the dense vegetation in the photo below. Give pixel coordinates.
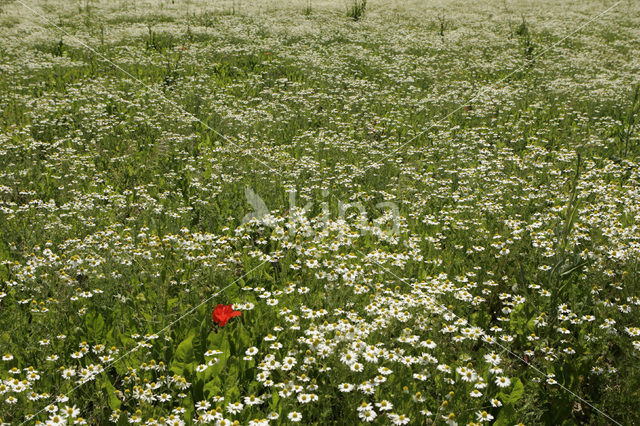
(420, 212)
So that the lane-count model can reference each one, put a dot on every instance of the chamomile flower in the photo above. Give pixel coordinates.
(294, 416)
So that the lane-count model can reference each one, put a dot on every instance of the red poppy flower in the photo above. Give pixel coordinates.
(223, 313)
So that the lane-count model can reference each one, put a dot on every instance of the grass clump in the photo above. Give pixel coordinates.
(356, 9)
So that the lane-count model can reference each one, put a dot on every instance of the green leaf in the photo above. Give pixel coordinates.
(233, 372)
(506, 417)
(98, 326)
(107, 387)
(183, 359)
(518, 320)
(517, 390)
(95, 325)
(274, 402)
(232, 393)
(212, 388)
(243, 337)
(220, 342)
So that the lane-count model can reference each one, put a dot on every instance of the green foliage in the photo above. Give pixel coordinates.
(183, 360)
(356, 9)
(459, 204)
(523, 32)
(308, 9)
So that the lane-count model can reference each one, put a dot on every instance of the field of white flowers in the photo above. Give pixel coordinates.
(319, 212)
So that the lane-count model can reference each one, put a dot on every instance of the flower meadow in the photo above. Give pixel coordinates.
(328, 212)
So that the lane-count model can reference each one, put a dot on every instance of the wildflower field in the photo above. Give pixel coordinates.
(319, 212)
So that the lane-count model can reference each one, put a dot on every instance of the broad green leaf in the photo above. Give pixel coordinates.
(98, 326)
(95, 325)
(274, 402)
(517, 390)
(506, 416)
(114, 401)
(221, 343)
(183, 358)
(212, 388)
